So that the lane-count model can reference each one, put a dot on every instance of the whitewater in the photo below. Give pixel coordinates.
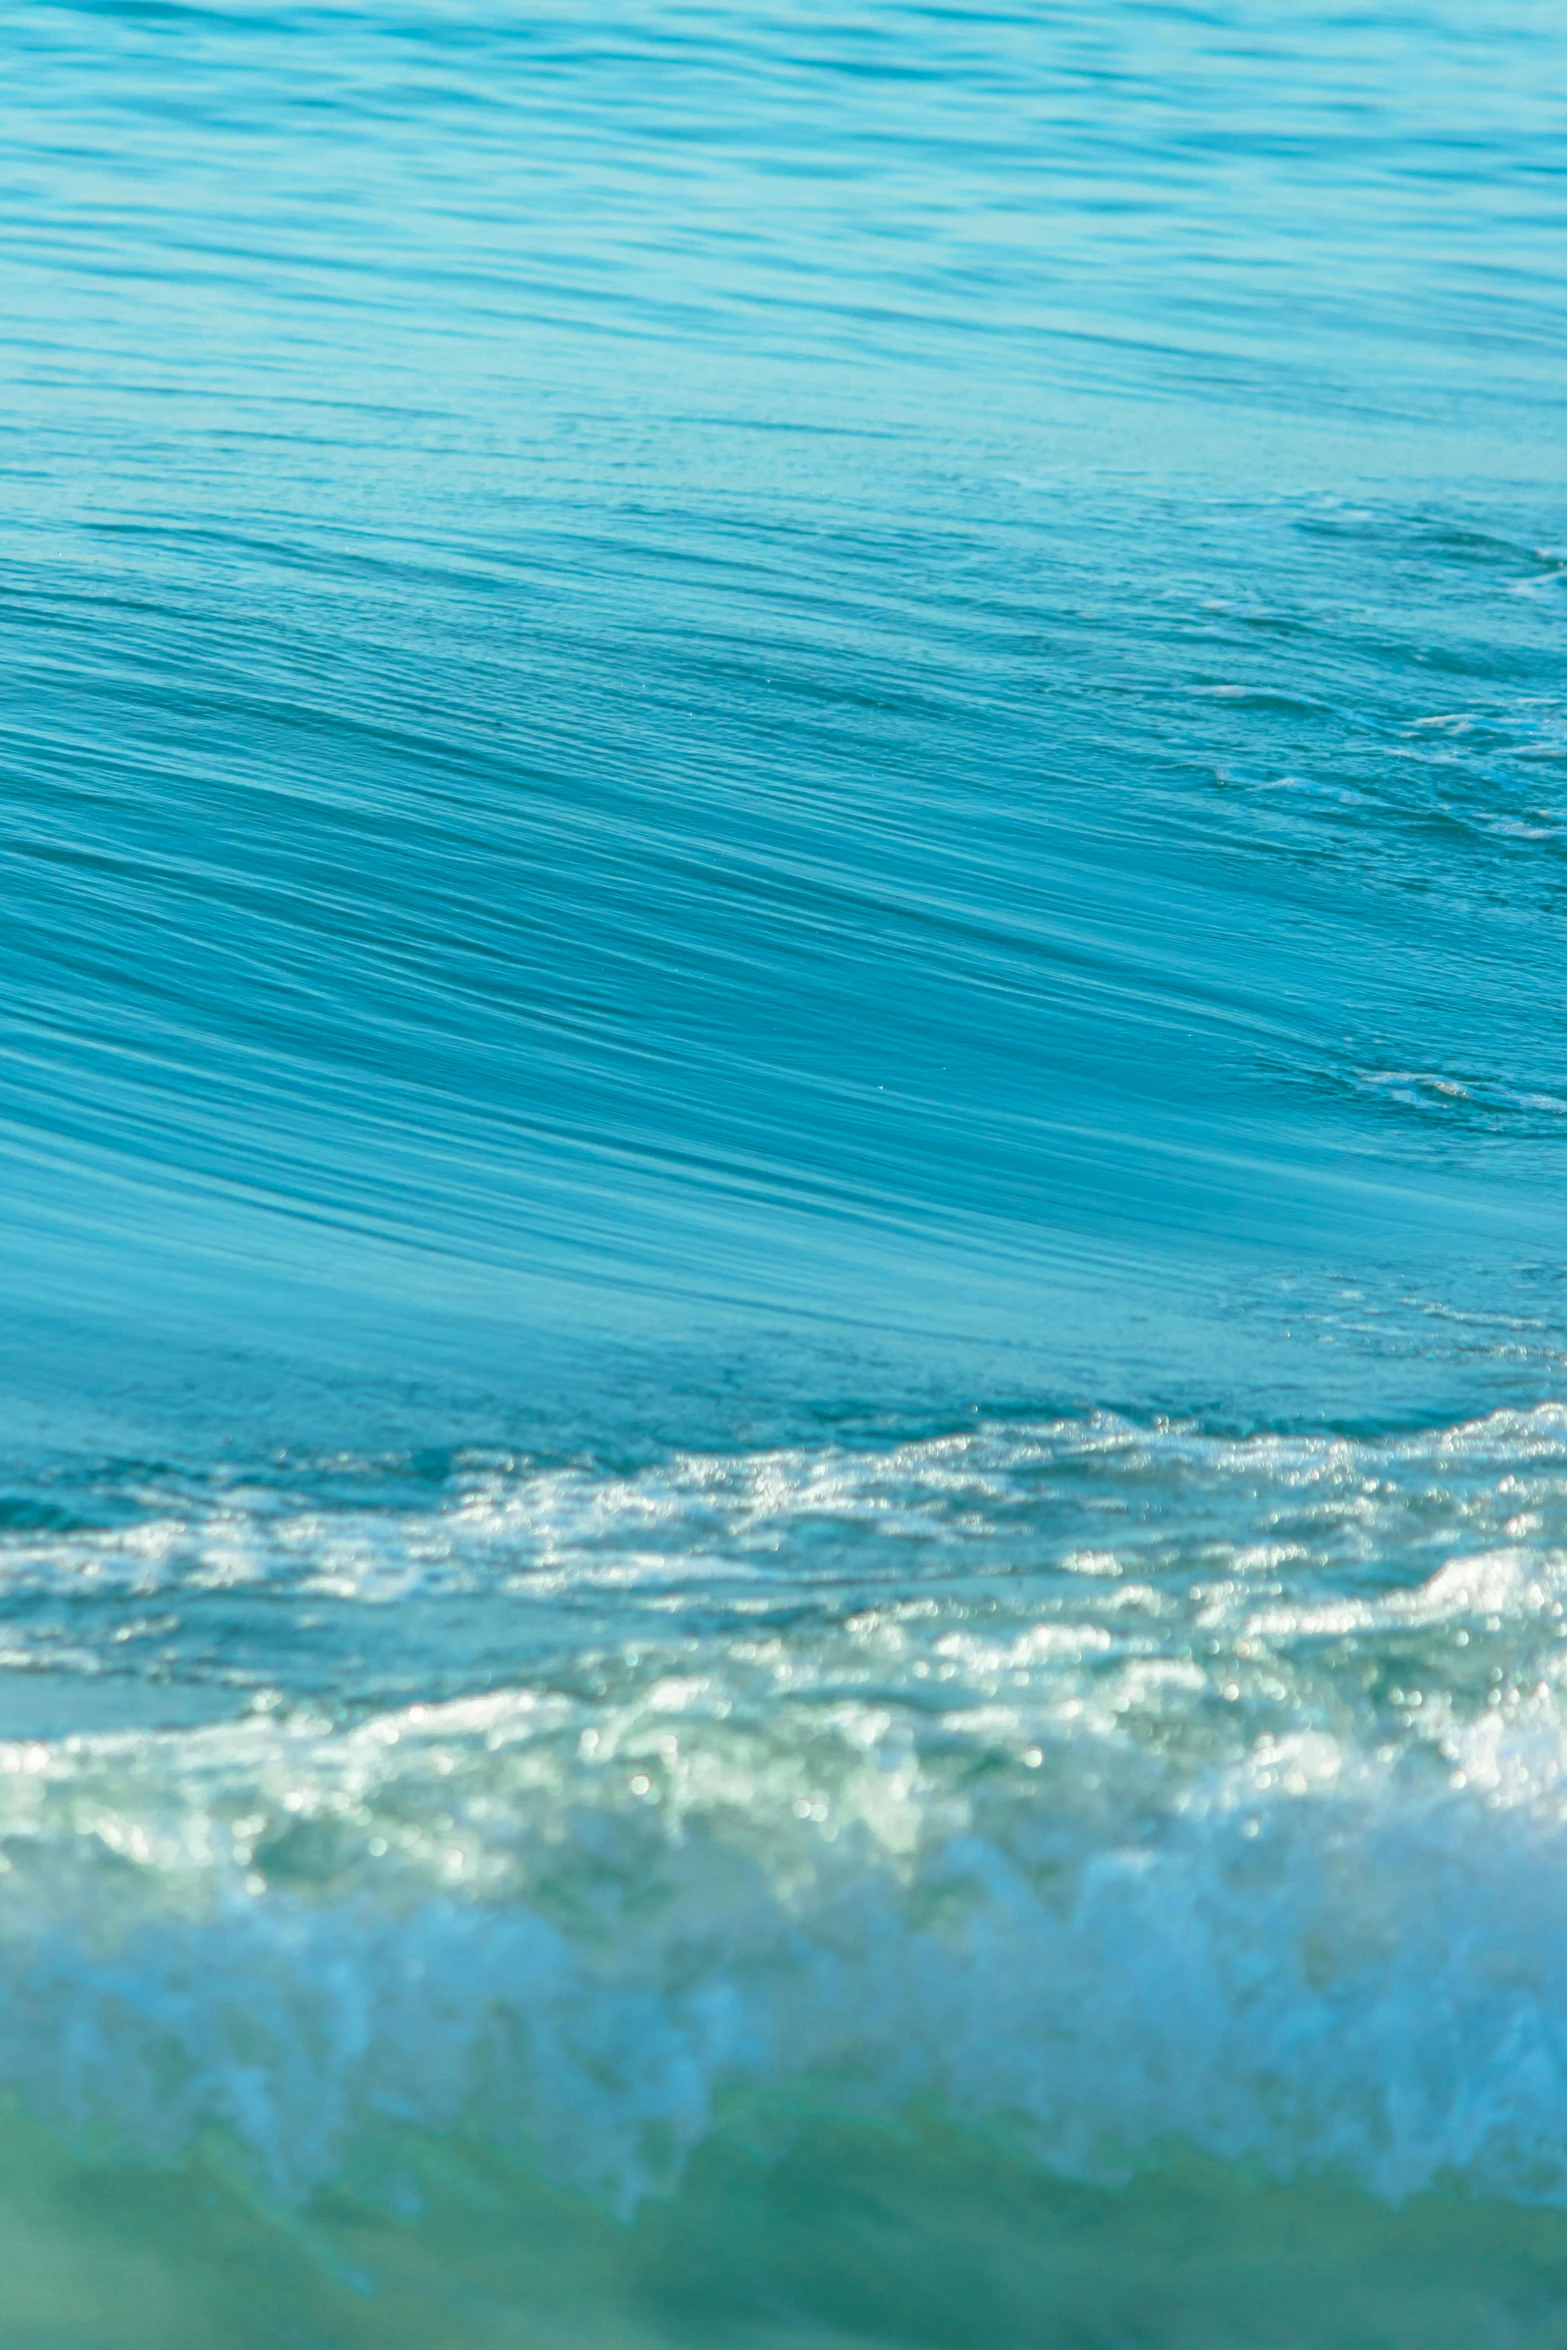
(783, 1358)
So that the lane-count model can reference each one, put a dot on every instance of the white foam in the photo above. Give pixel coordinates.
(1315, 1959)
(1125, 1785)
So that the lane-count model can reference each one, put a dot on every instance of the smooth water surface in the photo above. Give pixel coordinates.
(784, 1512)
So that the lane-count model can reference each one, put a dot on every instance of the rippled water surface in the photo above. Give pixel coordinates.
(783, 1491)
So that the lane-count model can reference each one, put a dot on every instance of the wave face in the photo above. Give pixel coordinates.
(783, 1488)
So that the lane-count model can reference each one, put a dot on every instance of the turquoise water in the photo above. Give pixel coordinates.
(783, 1535)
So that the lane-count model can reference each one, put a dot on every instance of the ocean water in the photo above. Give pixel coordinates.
(783, 1343)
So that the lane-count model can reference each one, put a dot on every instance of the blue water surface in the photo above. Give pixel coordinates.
(874, 680)
(783, 1480)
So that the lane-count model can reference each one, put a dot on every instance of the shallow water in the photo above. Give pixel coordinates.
(783, 1482)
